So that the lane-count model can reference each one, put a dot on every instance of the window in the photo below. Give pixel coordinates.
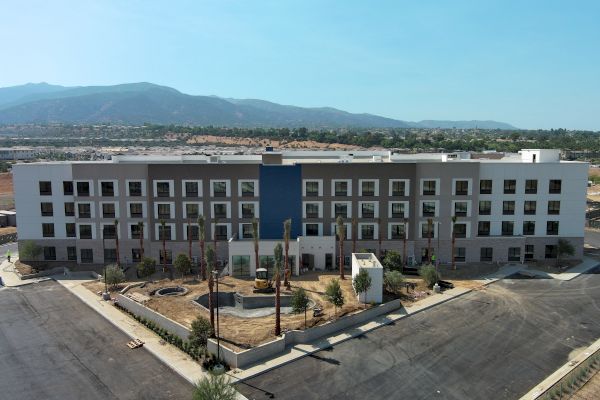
(164, 210)
(461, 188)
(84, 210)
(312, 188)
(531, 186)
(136, 255)
(136, 231)
(552, 228)
(486, 254)
(510, 186)
(221, 232)
(312, 229)
(168, 259)
(334, 228)
(429, 188)
(508, 207)
(85, 231)
(110, 255)
(220, 210)
(312, 210)
(529, 252)
(268, 263)
(555, 186)
(508, 228)
(191, 189)
(529, 207)
(68, 188)
(398, 231)
(367, 231)
(367, 210)
(71, 229)
(528, 227)
(48, 230)
(514, 254)
(192, 210)
(83, 189)
(69, 209)
(483, 228)
(107, 189)
(248, 189)
(45, 188)
(427, 230)
(340, 210)
(219, 189)
(429, 208)
(397, 210)
(135, 189)
(87, 256)
(485, 207)
(460, 230)
(192, 232)
(553, 207)
(460, 254)
(551, 251)
(247, 231)
(398, 188)
(461, 208)
(368, 188)
(108, 210)
(247, 210)
(240, 267)
(47, 210)
(49, 253)
(485, 186)
(164, 232)
(341, 188)
(72, 253)
(136, 210)
(109, 231)
(163, 189)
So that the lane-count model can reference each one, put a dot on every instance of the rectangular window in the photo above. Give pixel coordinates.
(164, 210)
(108, 189)
(429, 187)
(483, 228)
(220, 189)
(461, 188)
(48, 230)
(168, 259)
(247, 210)
(367, 232)
(193, 232)
(397, 210)
(555, 186)
(429, 208)
(551, 251)
(268, 263)
(486, 254)
(45, 188)
(398, 231)
(68, 188)
(191, 189)
(192, 210)
(163, 189)
(368, 210)
(529, 207)
(341, 188)
(427, 230)
(460, 230)
(69, 209)
(85, 231)
(528, 227)
(109, 231)
(248, 189)
(110, 255)
(87, 256)
(461, 208)
(485, 186)
(136, 210)
(368, 188)
(514, 254)
(136, 255)
(460, 254)
(84, 210)
(341, 210)
(247, 231)
(531, 186)
(552, 228)
(136, 231)
(72, 253)
(485, 207)
(71, 229)
(164, 232)
(312, 210)
(47, 209)
(529, 252)
(510, 186)
(508, 207)
(398, 188)
(221, 232)
(135, 189)
(312, 188)
(508, 228)
(49, 253)
(108, 210)
(554, 207)
(83, 189)
(312, 229)
(220, 210)
(240, 267)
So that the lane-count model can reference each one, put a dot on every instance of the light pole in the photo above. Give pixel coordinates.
(218, 367)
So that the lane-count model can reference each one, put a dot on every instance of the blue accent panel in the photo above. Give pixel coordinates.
(280, 199)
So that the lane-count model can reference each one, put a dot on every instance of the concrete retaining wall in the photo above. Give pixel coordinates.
(53, 271)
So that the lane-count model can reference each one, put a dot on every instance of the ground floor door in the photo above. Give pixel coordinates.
(240, 266)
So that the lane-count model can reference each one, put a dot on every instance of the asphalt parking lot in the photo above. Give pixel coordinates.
(496, 343)
(53, 346)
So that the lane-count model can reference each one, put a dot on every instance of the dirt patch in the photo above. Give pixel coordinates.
(550, 266)
(255, 142)
(8, 230)
(7, 197)
(24, 269)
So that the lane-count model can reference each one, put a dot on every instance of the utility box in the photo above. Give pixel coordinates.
(371, 264)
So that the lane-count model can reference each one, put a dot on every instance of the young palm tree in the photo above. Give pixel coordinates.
(354, 233)
(117, 241)
(189, 235)
(255, 239)
(429, 227)
(379, 238)
(215, 222)
(341, 233)
(287, 228)
(163, 225)
(453, 240)
(278, 253)
(404, 258)
(210, 264)
(141, 227)
(202, 238)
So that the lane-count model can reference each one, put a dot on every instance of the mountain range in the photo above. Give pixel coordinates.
(138, 103)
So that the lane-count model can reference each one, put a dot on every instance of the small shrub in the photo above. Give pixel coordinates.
(214, 387)
(114, 275)
(201, 331)
(146, 267)
(393, 281)
(429, 275)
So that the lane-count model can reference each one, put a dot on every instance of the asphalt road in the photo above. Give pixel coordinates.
(496, 343)
(592, 237)
(53, 346)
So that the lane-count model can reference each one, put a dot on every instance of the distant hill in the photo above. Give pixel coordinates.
(138, 103)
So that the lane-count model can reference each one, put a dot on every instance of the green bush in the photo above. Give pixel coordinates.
(393, 281)
(146, 267)
(429, 275)
(201, 331)
(213, 387)
(392, 261)
(114, 275)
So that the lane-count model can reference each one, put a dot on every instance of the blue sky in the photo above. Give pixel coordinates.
(534, 64)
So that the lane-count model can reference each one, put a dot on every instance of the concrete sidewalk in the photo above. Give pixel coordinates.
(11, 279)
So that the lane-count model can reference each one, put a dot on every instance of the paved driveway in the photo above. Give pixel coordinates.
(492, 344)
(52, 346)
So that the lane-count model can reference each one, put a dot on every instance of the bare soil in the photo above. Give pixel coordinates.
(7, 197)
(24, 269)
(256, 142)
(8, 229)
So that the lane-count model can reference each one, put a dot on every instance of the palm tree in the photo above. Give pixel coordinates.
(404, 258)
(354, 233)
(201, 238)
(215, 222)
(163, 225)
(117, 241)
(278, 253)
(141, 228)
(379, 237)
(429, 227)
(287, 228)
(210, 263)
(341, 233)
(189, 234)
(453, 240)
(256, 239)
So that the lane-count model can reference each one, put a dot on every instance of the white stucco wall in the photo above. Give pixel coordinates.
(371, 264)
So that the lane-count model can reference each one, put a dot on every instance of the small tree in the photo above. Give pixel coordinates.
(429, 275)
(214, 387)
(201, 331)
(209, 258)
(182, 264)
(114, 275)
(146, 267)
(392, 261)
(341, 233)
(362, 283)
(334, 295)
(393, 281)
(564, 247)
(29, 250)
(299, 302)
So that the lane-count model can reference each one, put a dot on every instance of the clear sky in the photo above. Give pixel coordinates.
(534, 64)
